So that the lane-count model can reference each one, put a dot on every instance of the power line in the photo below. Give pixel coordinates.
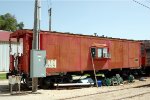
(142, 4)
(148, 1)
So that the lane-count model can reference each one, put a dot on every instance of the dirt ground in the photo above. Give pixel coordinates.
(139, 90)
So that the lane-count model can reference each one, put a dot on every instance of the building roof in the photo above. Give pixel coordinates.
(4, 35)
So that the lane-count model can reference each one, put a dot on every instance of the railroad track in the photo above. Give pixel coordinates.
(133, 96)
(98, 93)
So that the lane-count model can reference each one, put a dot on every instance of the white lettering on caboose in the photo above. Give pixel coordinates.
(51, 63)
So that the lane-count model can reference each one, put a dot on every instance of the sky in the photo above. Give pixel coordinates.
(111, 18)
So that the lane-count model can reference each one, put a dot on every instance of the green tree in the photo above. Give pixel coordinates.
(8, 22)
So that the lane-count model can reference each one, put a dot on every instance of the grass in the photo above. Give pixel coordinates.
(2, 76)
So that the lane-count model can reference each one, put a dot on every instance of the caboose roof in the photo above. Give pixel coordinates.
(21, 33)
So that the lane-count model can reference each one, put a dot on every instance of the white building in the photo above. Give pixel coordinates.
(4, 50)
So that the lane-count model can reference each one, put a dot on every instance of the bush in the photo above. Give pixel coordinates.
(2, 76)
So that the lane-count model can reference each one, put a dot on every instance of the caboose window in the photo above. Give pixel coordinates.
(104, 51)
(93, 51)
(100, 51)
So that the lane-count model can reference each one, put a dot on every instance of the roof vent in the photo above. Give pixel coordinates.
(95, 34)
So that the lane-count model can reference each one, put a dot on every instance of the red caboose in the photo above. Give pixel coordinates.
(68, 53)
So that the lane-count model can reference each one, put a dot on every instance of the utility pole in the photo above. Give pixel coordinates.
(50, 13)
(35, 42)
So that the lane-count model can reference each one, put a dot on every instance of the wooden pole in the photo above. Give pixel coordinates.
(50, 13)
(94, 71)
(35, 43)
